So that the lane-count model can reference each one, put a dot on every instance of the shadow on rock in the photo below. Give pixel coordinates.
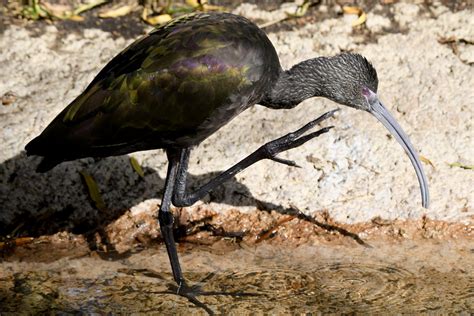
(37, 204)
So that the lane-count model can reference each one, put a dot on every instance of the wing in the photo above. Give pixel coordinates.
(174, 86)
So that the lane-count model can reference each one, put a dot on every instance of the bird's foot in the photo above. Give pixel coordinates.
(191, 292)
(181, 288)
(295, 139)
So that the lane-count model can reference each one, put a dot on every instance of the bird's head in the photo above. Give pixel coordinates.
(344, 78)
(353, 82)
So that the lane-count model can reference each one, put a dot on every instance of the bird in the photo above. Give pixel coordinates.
(177, 85)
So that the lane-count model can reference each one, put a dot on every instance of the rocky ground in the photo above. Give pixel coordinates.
(356, 172)
(356, 187)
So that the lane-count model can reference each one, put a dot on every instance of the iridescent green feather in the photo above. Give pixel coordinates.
(174, 86)
(153, 75)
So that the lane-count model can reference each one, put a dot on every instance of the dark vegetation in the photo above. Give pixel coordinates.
(130, 18)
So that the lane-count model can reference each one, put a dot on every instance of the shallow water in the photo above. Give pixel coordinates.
(402, 277)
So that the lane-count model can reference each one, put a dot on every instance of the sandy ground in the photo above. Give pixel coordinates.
(355, 173)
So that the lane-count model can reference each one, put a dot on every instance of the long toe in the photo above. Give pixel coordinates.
(294, 139)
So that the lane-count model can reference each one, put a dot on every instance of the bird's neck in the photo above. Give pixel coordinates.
(304, 80)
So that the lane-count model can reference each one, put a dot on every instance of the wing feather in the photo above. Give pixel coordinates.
(165, 88)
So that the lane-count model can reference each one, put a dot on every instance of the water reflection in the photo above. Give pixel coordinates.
(264, 279)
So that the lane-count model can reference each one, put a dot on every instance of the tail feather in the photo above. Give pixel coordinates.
(39, 147)
(36, 147)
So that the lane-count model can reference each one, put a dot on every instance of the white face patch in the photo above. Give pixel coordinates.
(370, 96)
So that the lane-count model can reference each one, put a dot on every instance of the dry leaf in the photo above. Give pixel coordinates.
(210, 7)
(195, 3)
(76, 18)
(144, 14)
(352, 10)
(8, 98)
(16, 242)
(361, 20)
(158, 19)
(205, 6)
(114, 13)
(57, 10)
(136, 166)
(358, 11)
(93, 190)
(460, 165)
(88, 6)
(426, 161)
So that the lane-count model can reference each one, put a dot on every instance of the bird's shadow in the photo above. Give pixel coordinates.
(37, 204)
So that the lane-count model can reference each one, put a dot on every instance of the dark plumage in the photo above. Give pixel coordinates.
(174, 87)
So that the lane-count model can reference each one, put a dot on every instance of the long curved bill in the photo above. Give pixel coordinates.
(382, 114)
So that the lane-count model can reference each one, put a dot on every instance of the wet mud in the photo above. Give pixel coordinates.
(264, 262)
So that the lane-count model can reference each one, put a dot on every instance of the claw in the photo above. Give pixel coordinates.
(287, 162)
(330, 113)
(325, 116)
(303, 139)
(311, 124)
(293, 140)
(181, 285)
(325, 129)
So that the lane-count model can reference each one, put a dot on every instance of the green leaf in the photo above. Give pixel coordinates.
(93, 190)
(136, 166)
(460, 165)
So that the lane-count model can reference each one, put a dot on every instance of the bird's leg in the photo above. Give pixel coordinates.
(166, 219)
(267, 151)
(166, 225)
